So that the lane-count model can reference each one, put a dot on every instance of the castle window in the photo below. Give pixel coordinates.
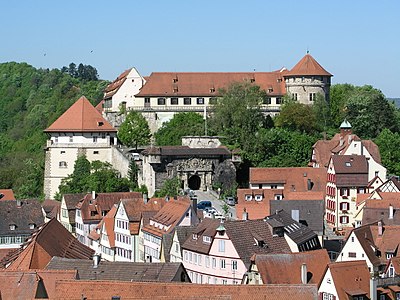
(267, 100)
(95, 139)
(294, 96)
(147, 101)
(200, 100)
(62, 152)
(71, 139)
(312, 97)
(161, 101)
(174, 101)
(187, 101)
(56, 139)
(62, 164)
(95, 152)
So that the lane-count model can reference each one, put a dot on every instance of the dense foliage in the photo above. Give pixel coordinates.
(30, 100)
(170, 188)
(96, 176)
(134, 130)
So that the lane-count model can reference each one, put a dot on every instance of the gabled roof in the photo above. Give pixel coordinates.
(285, 268)
(94, 209)
(51, 239)
(294, 179)
(106, 226)
(208, 84)
(114, 86)
(308, 66)
(32, 284)
(92, 289)
(395, 262)
(169, 215)
(51, 208)
(244, 236)
(350, 278)
(22, 216)
(136, 206)
(82, 116)
(119, 271)
(350, 164)
(298, 232)
(7, 194)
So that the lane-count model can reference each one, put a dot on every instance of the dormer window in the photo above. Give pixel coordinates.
(62, 164)
(100, 123)
(175, 80)
(270, 90)
(258, 197)
(248, 197)
(212, 90)
(278, 197)
(175, 89)
(194, 236)
(207, 239)
(32, 226)
(12, 226)
(348, 164)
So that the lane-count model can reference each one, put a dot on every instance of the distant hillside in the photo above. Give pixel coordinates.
(30, 100)
(396, 101)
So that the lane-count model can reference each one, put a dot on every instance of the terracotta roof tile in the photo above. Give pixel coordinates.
(308, 66)
(106, 289)
(51, 208)
(7, 194)
(285, 268)
(114, 86)
(208, 84)
(82, 116)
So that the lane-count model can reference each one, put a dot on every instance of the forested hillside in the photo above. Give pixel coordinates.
(30, 100)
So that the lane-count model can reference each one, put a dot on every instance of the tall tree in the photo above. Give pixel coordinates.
(237, 115)
(134, 130)
(389, 145)
(170, 188)
(182, 124)
(296, 116)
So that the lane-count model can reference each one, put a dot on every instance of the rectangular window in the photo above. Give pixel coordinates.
(200, 101)
(62, 164)
(199, 259)
(294, 96)
(234, 264)
(71, 139)
(222, 263)
(221, 246)
(207, 261)
(161, 101)
(267, 100)
(187, 101)
(195, 258)
(344, 219)
(279, 100)
(352, 254)
(146, 101)
(56, 139)
(95, 152)
(174, 101)
(62, 152)
(190, 256)
(344, 192)
(95, 139)
(312, 97)
(214, 262)
(344, 206)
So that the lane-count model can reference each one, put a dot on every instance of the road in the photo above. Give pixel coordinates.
(218, 204)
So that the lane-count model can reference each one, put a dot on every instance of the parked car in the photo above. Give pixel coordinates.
(230, 201)
(204, 204)
(211, 210)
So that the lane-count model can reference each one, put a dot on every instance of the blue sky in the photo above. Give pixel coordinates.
(357, 41)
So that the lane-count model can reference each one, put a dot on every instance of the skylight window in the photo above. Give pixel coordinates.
(348, 164)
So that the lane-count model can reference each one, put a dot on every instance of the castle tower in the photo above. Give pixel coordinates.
(80, 130)
(306, 80)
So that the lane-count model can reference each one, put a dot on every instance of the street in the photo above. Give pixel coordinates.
(216, 203)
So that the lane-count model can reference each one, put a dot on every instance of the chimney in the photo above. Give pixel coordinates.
(19, 203)
(96, 260)
(309, 184)
(391, 211)
(145, 198)
(93, 195)
(245, 215)
(194, 203)
(295, 215)
(380, 228)
(304, 273)
(372, 288)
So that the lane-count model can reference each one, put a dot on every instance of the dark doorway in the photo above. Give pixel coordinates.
(194, 182)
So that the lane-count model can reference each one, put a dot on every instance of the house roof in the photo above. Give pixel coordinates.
(350, 164)
(294, 179)
(169, 215)
(285, 268)
(82, 116)
(298, 232)
(119, 271)
(51, 208)
(181, 291)
(136, 206)
(51, 239)
(208, 84)
(311, 212)
(308, 66)
(92, 210)
(21, 216)
(7, 194)
(32, 284)
(395, 262)
(182, 233)
(114, 86)
(242, 234)
(184, 151)
(106, 225)
(350, 278)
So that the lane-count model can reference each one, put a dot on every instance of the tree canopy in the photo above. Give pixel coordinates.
(389, 145)
(134, 131)
(182, 124)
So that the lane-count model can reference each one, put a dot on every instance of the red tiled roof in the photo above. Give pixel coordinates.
(285, 268)
(8, 194)
(114, 86)
(308, 66)
(82, 116)
(76, 289)
(108, 222)
(350, 276)
(208, 84)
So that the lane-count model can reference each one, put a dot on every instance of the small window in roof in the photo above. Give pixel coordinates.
(348, 164)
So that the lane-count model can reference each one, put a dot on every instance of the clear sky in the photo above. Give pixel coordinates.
(357, 41)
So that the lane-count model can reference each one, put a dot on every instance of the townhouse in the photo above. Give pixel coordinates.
(68, 210)
(176, 212)
(220, 253)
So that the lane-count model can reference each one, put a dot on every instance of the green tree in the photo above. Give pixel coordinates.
(339, 94)
(32, 180)
(134, 130)
(237, 115)
(321, 109)
(170, 188)
(133, 174)
(182, 124)
(389, 145)
(78, 181)
(297, 116)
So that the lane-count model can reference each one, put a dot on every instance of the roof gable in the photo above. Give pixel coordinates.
(82, 116)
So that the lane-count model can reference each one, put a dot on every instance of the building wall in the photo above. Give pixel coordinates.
(123, 238)
(175, 252)
(328, 286)
(64, 217)
(303, 86)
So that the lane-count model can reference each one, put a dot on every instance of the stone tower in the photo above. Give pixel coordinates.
(306, 80)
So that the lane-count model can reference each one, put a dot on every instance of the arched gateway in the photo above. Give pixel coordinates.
(194, 182)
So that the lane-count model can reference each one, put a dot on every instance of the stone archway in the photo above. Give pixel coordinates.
(194, 182)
